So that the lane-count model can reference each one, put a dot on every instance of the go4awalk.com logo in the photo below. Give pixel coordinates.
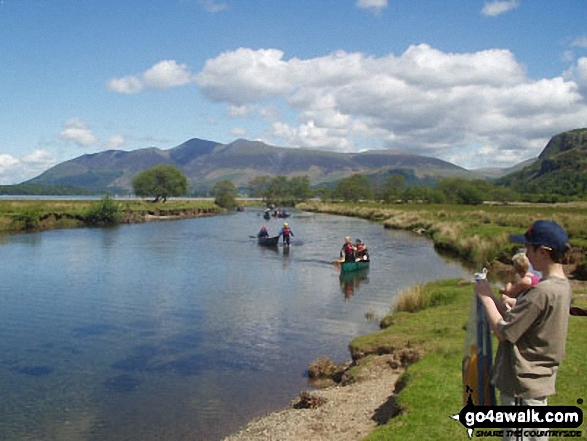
(527, 421)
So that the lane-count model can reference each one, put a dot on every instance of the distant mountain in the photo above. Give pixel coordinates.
(495, 173)
(561, 168)
(206, 162)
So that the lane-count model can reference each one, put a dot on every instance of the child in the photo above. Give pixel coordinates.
(521, 279)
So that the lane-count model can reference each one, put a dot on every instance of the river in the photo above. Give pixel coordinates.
(184, 330)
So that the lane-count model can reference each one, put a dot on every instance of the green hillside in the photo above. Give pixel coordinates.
(560, 169)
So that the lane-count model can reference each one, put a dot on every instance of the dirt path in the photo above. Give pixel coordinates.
(349, 412)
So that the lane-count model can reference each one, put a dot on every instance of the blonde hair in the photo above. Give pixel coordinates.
(521, 263)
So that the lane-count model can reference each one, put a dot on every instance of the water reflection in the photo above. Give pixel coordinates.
(350, 282)
(184, 329)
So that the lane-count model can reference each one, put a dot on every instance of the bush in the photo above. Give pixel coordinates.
(105, 212)
(28, 220)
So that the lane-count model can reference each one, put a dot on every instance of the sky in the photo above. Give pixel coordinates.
(479, 83)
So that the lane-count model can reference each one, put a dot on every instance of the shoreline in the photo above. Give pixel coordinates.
(25, 216)
(338, 412)
(355, 411)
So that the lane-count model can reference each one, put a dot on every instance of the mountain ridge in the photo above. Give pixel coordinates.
(561, 168)
(205, 162)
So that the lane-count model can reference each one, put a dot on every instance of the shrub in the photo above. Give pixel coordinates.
(27, 220)
(105, 212)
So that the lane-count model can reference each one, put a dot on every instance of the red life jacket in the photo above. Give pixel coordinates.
(286, 231)
(348, 249)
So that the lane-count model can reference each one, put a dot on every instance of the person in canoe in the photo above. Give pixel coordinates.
(361, 252)
(286, 233)
(348, 250)
(263, 232)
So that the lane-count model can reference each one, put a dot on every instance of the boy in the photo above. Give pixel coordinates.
(533, 333)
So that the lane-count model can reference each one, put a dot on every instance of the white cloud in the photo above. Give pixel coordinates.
(166, 74)
(260, 74)
(498, 7)
(115, 142)
(161, 76)
(240, 111)
(6, 162)
(239, 132)
(78, 132)
(578, 74)
(16, 170)
(375, 6)
(127, 85)
(424, 100)
(212, 6)
(580, 42)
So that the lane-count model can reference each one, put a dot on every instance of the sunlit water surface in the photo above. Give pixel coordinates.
(183, 329)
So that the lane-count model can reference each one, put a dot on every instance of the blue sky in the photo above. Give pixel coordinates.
(476, 82)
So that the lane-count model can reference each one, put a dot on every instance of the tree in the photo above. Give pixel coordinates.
(393, 187)
(161, 182)
(323, 193)
(278, 190)
(299, 187)
(464, 191)
(259, 187)
(224, 193)
(354, 188)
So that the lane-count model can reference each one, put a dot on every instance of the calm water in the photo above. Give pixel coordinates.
(183, 329)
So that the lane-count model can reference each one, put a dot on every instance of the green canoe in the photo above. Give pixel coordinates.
(346, 267)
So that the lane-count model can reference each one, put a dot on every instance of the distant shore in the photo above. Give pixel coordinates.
(28, 215)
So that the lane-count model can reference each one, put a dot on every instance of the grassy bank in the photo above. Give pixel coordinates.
(477, 234)
(431, 389)
(35, 215)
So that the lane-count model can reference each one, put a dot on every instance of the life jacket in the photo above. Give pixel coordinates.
(348, 249)
(286, 231)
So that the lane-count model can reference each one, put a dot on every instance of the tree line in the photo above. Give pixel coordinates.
(163, 181)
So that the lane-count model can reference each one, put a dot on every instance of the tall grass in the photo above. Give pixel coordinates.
(477, 234)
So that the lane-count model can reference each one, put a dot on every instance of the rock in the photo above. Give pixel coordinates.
(309, 401)
(322, 368)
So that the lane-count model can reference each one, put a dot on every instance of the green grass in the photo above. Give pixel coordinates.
(477, 234)
(433, 387)
(19, 215)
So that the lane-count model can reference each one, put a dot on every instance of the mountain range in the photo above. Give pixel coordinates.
(206, 162)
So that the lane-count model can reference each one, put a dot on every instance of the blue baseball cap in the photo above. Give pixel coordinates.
(544, 233)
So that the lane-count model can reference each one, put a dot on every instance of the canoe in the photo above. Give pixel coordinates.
(346, 267)
(268, 241)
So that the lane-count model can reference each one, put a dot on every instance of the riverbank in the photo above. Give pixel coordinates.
(21, 215)
(418, 404)
(405, 380)
(478, 235)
